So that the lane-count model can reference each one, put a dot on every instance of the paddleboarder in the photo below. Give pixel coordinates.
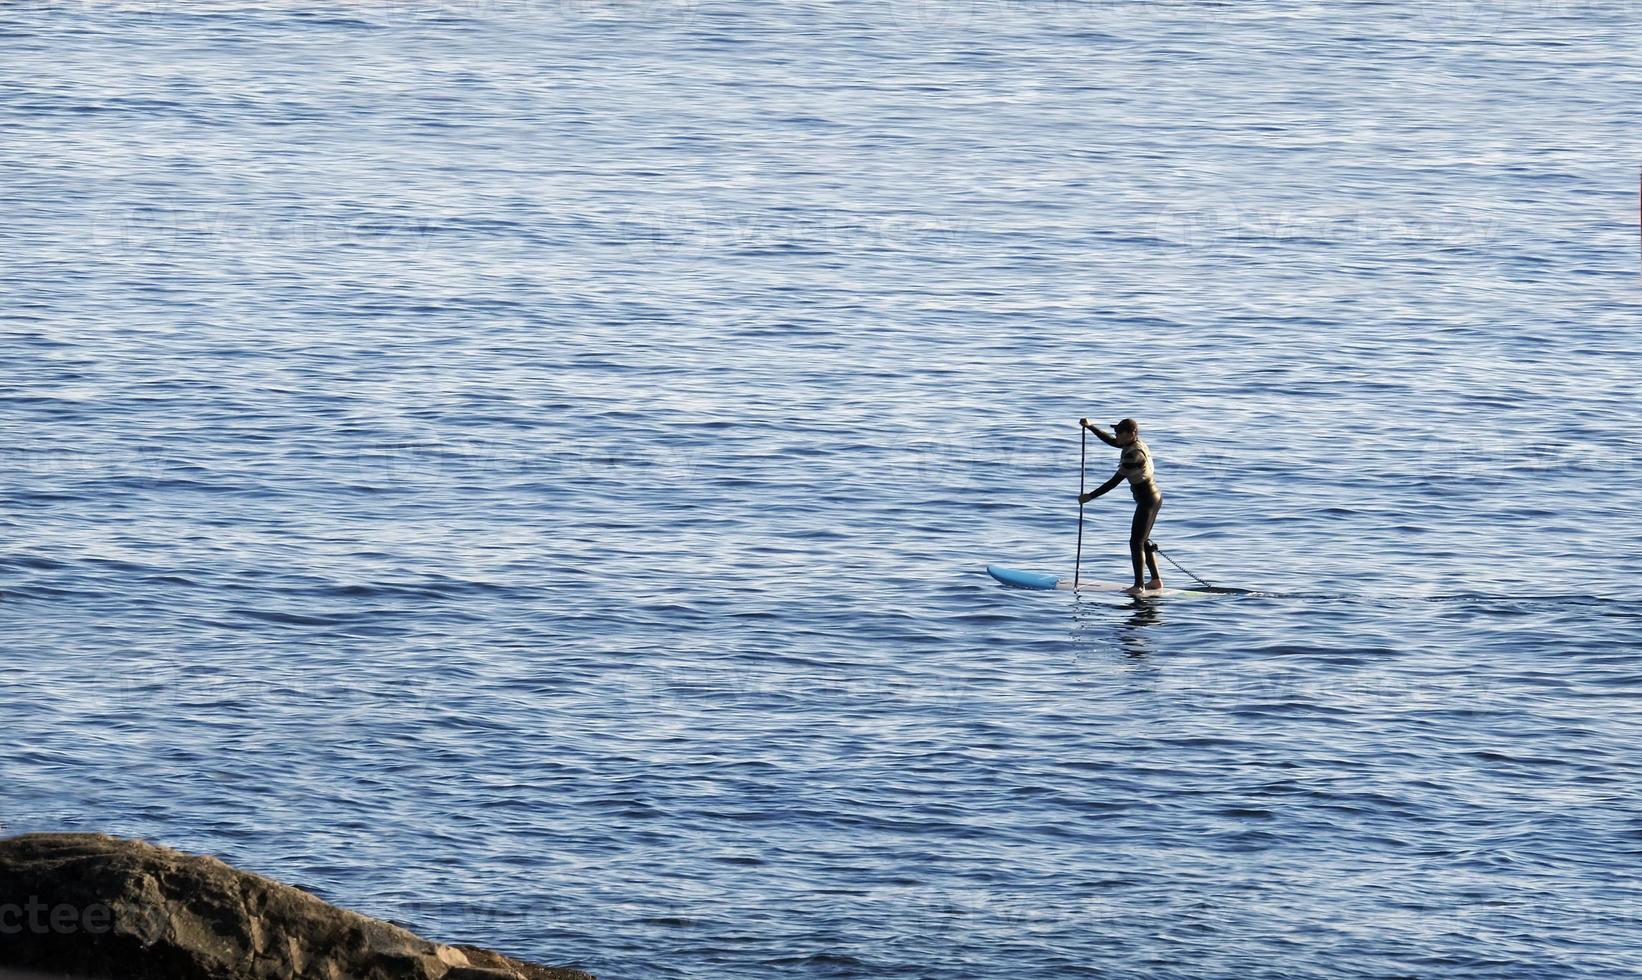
(1135, 465)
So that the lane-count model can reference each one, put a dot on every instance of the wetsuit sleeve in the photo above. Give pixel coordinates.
(1108, 485)
(1102, 436)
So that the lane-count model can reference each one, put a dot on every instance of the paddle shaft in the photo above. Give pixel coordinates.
(1083, 459)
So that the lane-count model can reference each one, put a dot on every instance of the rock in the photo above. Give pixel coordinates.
(97, 906)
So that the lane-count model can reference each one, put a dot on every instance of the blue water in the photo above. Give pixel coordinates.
(525, 470)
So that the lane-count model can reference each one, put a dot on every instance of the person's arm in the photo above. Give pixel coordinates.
(1099, 433)
(1109, 484)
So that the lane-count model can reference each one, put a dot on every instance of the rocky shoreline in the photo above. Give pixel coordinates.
(106, 908)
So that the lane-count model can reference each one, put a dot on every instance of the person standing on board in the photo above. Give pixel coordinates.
(1135, 465)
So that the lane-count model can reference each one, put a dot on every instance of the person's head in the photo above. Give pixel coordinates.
(1126, 431)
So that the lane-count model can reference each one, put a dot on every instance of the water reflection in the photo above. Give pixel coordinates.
(1093, 623)
(1143, 613)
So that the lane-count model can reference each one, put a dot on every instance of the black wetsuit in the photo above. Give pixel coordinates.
(1136, 467)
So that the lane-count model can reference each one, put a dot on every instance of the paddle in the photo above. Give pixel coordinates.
(1083, 457)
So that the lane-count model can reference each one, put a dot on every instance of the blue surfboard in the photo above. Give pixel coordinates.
(1018, 579)
(1022, 580)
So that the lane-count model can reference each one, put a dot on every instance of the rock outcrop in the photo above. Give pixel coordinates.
(103, 907)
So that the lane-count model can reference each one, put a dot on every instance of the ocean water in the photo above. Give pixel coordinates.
(525, 470)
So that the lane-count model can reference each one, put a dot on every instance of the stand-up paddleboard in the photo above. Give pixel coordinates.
(1015, 578)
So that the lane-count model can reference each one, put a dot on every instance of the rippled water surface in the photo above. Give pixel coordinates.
(525, 470)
